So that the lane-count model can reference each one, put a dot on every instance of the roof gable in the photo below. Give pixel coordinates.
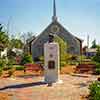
(61, 31)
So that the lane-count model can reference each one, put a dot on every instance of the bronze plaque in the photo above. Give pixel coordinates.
(51, 64)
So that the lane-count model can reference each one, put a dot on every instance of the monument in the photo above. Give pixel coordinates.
(51, 59)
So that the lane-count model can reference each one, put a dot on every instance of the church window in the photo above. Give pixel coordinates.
(54, 29)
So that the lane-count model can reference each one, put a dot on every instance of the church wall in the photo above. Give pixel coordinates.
(73, 43)
(37, 47)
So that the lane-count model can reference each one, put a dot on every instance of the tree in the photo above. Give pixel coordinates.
(94, 45)
(27, 36)
(96, 58)
(63, 47)
(4, 39)
(1, 27)
(16, 43)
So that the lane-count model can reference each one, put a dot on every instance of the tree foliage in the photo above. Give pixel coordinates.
(96, 58)
(4, 39)
(26, 59)
(94, 91)
(27, 36)
(94, 45)
(63, 47)
(16, 43)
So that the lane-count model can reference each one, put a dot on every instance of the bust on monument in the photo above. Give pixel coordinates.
(51, 60)
(51, 37)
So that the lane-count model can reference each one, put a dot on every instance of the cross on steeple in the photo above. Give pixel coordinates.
(54, 18)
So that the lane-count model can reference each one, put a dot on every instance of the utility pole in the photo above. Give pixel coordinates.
(88, 39)
(8, 25)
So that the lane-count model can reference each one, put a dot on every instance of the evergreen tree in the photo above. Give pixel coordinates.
(96, 58)
(4, 39)
(94, 45)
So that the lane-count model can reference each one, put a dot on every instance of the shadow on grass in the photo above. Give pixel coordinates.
(18, 86)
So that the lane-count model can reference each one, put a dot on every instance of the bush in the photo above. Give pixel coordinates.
(95, 91)
(26, 59)
(62, 63)
(96, 58)
(6, 68)
(72, 60)
(11, 71)
(9, 65)
(97, 70)
(42, 59)
(98, 65)
(2, 63)
(11, 62)
(1, 71)
(19, 67)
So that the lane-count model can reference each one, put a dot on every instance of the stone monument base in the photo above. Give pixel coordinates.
(59, 82)
(51, 60)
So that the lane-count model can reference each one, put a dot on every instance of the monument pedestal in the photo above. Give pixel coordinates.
(51, 55)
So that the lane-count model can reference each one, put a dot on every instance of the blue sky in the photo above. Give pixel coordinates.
(80, 17)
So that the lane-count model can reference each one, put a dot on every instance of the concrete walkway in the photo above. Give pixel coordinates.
(32, 88)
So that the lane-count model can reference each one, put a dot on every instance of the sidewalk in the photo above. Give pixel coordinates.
(72, 88)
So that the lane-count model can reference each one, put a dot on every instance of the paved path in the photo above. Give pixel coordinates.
(32, 88)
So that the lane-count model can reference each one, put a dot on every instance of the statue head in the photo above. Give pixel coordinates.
(51, 37)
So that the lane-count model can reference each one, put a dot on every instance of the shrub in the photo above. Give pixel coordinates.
(95, 91)
(19, 67)
(26, 59)
(11, 71)
(9, 65)
(96, 58)
(6, 68)
(1, 71)
(62, 63)
(97, 65)
(42, 59)
(72, 59)
(2, 63)
(97, 70)
(11, 61)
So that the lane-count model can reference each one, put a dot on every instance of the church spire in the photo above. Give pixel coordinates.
(54, 18)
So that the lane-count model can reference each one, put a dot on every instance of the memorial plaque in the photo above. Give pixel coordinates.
(51, 64)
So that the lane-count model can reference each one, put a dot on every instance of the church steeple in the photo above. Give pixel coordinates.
(54, 18)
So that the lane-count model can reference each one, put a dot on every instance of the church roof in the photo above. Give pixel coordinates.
(56, 23)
